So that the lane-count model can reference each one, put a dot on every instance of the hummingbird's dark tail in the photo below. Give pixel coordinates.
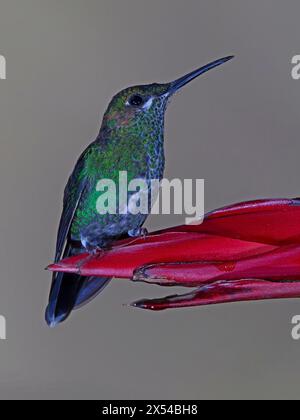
(71, 291)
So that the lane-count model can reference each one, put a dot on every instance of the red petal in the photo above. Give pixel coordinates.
(225, 292)
(166, 247)
(258, 240)
(283, 263)
(274, 222)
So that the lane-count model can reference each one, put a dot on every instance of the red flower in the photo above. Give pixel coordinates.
(248, 251)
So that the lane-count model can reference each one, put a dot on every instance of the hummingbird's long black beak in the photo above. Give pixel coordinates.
(179, 83)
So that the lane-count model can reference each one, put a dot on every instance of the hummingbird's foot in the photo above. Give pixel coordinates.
(96, 252)
(138, 233)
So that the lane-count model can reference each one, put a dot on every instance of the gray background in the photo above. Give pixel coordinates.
(237, 127)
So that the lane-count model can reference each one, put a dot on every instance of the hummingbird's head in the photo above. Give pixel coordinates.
(143, 105)
(137, 104)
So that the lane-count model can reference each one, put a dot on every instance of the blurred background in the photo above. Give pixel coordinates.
(237, 127)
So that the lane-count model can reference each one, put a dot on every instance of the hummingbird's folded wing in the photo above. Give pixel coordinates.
(67, 289)
(72, 195)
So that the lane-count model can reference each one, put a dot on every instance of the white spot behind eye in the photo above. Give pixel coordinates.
(148, 104)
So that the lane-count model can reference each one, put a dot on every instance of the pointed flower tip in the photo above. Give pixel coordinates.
(146, 304)
(60, 267)
(49, 267)
(137, 304)
(52, 267)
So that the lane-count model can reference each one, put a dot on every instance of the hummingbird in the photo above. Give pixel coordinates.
(131, 139)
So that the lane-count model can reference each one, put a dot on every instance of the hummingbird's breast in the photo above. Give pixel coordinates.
(141, 156)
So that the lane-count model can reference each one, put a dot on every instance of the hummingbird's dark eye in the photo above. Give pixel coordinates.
(136, 100)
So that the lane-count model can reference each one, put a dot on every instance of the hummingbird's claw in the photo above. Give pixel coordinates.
(138, 233)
